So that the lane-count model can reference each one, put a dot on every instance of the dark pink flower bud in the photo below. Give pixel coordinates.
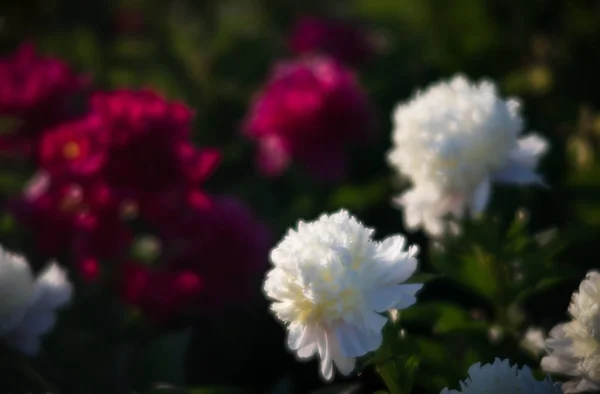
(310, 111)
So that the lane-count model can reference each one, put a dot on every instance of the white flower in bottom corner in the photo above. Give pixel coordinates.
(27, 305)
(452, 141)
(502, 378)
(574, 347)
(329, 284)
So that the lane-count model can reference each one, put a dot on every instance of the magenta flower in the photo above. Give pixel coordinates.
(150, 143)
(87, 218)
(342, 40)
(75, 148)
(35, 91)
(214, 252)
(310, 111)
(221, 240)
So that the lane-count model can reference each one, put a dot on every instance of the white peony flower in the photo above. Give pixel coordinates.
(452, 141)
(329, 284)
(574, 347)
(27, 306)
(502, 378)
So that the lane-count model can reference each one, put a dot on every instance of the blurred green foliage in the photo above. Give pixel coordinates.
(498, 276)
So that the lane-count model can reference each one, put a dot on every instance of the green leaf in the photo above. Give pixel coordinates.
(441, 317)
(423, 277)
(544, 285)
(399, 373)
(389, 374)
(473, 269)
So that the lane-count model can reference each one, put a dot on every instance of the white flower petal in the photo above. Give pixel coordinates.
(530, 148)
(518, 174)
(354, 342)
(480, 197)
(409, 296)
(27, 306)
(387, 297)
(308, 351)
(37, 321)
(53, 287)
(500, 377)
(16, 290)
(326, 356)
(559, 365)
(580, 386)
(301, 336)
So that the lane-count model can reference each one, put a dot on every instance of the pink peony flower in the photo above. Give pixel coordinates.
(309, 111)
(150, 146)
(220, 239)
(216, 241)
(341, 40)
(75, 148)
(132, 114)
(36, 91)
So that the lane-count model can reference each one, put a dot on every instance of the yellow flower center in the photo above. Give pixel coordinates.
(71, 150)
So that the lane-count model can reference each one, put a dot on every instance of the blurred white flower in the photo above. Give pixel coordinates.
(495, 334)
(27, 306)
(574, 347)
(502, 378)
(452, 141)
(534, 340)
(329, 283)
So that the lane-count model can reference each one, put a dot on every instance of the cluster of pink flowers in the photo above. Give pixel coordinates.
(127, 159)
(36, 92)
(312, 108)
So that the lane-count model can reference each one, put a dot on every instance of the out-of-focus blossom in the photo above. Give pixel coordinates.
(28, 306)
(77, 148)
(501, 378)
(342, 40)
(135, 113)
(574, 347)
(534, 340)
(452, 141)
(213, 249)
(84, 217)
(329, 284)
(161, 294)
(309, 111)
(219, 238)
(37, 91)
(150, 147)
